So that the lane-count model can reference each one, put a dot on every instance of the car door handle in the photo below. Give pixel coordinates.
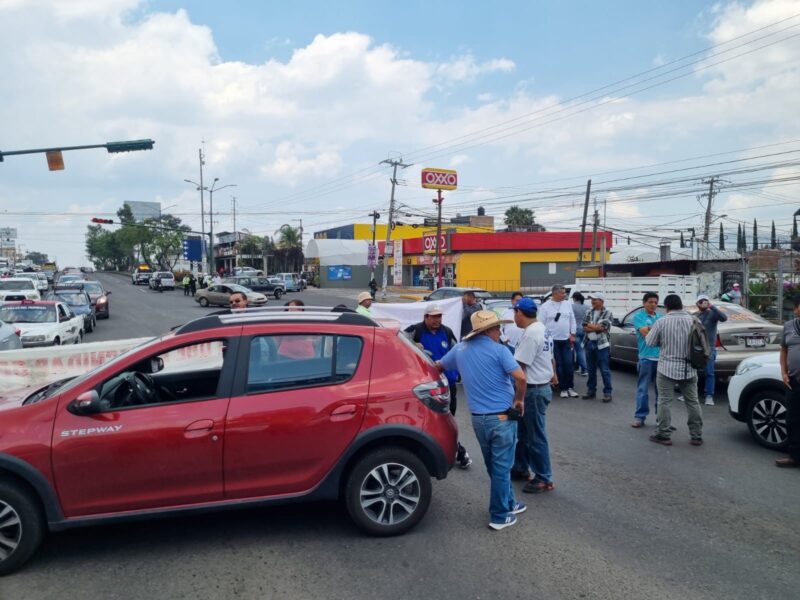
(198, 428)
(344, 412)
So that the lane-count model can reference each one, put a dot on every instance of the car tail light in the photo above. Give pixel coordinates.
(718, 343)
(434, 394)
(18, 332)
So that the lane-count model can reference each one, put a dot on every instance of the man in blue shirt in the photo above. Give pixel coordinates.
(437, 339)
(485, 366)
(709, 316)
(648, 358)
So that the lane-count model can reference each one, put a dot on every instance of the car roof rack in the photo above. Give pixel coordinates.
(278, 314)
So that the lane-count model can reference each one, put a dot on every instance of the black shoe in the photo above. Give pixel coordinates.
(606, 398)
(589, 396)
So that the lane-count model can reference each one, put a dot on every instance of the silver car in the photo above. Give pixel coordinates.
(744, 334)
(9, 337)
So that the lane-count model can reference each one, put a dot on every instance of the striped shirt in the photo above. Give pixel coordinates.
(671, 335)
(598, 317)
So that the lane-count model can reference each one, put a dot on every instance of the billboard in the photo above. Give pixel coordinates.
(397, 268)
(439, 179)
(339, 272)
(144, 210)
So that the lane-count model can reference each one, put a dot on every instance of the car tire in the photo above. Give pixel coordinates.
(766, 419)
(90, 327)
(388, 478)
(57, 342)
(21, 524)
(203, 302)
(278, 294)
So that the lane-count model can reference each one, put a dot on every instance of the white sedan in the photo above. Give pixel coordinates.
(757, 396)
(43, 323)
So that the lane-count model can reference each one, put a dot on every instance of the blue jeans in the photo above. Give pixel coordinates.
(580, 355)
(709, 372)
(536, 447)
(598, 358)
(562, 353)
(647, 375)
(497, 439)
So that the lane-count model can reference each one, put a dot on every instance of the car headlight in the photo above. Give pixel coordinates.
(746, 366)
(101, 300)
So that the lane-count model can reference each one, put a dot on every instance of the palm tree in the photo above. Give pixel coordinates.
(289, 237)
(289, 253)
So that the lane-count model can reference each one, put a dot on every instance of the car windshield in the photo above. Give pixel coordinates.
(16, 285)
(33, 313)
(93, 287)
(73, 298)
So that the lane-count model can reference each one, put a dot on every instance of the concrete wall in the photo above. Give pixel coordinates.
(360, 280)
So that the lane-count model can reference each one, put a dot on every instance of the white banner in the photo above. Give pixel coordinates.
(397, 272)
(411, 313)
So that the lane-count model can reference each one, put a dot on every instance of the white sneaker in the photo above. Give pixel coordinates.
(709, 400)
(510, 520)
(564, 395)
(572, 393)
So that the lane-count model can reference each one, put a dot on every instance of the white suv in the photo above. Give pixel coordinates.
(757, 396)
(18, 288)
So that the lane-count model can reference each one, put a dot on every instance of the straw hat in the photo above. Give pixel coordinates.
(483, 320)
(363, 296)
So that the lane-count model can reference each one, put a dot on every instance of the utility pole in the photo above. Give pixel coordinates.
(302, 266)
(394, 163)
(594, 230)
(710, 195)
(583, 223)
(202, 205)
(235, 236)
(375, 216)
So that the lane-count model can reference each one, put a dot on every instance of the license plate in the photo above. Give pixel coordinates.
(755, 342)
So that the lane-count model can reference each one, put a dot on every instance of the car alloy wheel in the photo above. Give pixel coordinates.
(203, 302)
(766, 419)
(278, 294)
(21, 526)
(388, 491)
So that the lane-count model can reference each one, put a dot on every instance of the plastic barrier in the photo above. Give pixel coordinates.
(37, 366)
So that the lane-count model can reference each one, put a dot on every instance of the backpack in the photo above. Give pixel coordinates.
(699, 350)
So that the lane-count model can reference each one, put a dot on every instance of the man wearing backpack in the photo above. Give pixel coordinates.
(436, 339)
(671, 334)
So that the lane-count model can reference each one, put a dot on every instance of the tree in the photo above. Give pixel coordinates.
(721, 237)
(521, 219)
(773, 240)
(289, 250)
(166, 242)
(36, 257)
(755, 235)
(252, 245)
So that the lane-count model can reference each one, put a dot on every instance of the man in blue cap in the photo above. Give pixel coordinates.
(534, 354)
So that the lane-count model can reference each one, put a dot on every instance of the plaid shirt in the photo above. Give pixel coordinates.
(671, 334)
(598, 317)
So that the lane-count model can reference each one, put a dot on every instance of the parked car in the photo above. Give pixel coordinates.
(80, 303)
(248, 271)
(291, 281)
(10, 337)
(97, 293)
(218, 294)
(141, 274)
(268, 286)
(165, 278)
(744, 334)
(443, 293)
(18, 288)
(306, 406)
(43, 322)
(757, 396)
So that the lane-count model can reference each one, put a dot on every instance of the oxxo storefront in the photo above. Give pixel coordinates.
(498, 262)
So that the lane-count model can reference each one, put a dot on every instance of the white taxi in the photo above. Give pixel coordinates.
(43, 323)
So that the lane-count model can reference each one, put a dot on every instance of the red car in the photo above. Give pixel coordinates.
(227, 411)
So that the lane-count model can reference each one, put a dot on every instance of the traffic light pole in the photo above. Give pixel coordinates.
(111, 147)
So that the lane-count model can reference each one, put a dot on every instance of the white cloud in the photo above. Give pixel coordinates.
(467, 69)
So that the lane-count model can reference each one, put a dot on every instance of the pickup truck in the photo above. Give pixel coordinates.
(264, 285)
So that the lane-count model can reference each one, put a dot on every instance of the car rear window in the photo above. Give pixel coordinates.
(33, 313)
(17, 285)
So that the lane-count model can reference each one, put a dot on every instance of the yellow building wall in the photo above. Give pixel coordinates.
(363, 231)
(503, 268)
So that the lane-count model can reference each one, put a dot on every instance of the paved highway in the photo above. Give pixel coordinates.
(628, 519)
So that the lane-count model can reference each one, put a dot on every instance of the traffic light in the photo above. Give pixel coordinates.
(102, 221)
(129, 146)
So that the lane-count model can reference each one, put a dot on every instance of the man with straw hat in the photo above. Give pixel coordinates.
(495, 403)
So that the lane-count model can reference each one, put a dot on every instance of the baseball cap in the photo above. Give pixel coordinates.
(526, 305)
(598, 296)
(433, 309)
(735, 285)
(703, 297)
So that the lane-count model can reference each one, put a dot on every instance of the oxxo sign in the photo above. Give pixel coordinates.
(429, 243)
(439, 179)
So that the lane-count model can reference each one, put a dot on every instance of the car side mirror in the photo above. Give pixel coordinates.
(615, 322)
(88, 403)
(108, 293)
(156, 364)
(426, 298)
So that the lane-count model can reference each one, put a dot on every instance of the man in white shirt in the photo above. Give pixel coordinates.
(558, 318)
(511, 333)
(533, 354)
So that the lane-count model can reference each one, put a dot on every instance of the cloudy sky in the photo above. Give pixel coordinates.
(297, 103)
